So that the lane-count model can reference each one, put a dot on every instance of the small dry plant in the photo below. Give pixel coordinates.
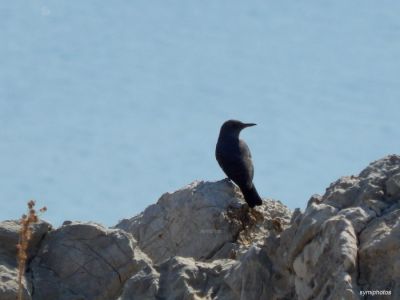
(25, 235)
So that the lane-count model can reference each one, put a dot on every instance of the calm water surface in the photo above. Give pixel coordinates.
(106, 105)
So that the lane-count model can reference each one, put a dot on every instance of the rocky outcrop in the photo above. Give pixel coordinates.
(181, 278)
(9, 237)
(203, 220)
(203, 242)
(207, 244)
(85, 261)
(251, 277)
(167, 228)
(347, 241)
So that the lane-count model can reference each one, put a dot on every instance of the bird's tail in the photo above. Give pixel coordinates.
(251, 196)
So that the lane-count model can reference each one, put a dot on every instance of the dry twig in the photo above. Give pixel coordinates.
(25, 235)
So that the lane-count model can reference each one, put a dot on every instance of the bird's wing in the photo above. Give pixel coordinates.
(246, 156)
(235, 161)
(238, 166)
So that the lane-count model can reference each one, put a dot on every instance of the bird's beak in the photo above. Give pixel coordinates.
(248, 125)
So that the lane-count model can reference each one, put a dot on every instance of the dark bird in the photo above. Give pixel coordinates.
(234, 157)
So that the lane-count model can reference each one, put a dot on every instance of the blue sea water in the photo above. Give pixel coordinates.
(106, 105)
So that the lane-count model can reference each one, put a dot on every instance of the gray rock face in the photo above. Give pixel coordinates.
(181, 278)
(345, 242)
(379, 255)
(85, 261)
(250, 277)
(221, 253)
(203, 242)
(166, 229)
(9, 237)
(198, 221)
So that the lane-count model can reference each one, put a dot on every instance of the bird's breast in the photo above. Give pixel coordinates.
(228, 151)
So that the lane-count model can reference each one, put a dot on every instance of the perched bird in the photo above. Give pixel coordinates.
(233, 156)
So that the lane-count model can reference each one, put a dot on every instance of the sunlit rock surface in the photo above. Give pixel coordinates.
(203, 242)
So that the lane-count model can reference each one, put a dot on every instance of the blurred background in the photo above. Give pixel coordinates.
(106, 105)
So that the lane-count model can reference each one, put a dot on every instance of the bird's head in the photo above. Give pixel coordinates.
(233, 127)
